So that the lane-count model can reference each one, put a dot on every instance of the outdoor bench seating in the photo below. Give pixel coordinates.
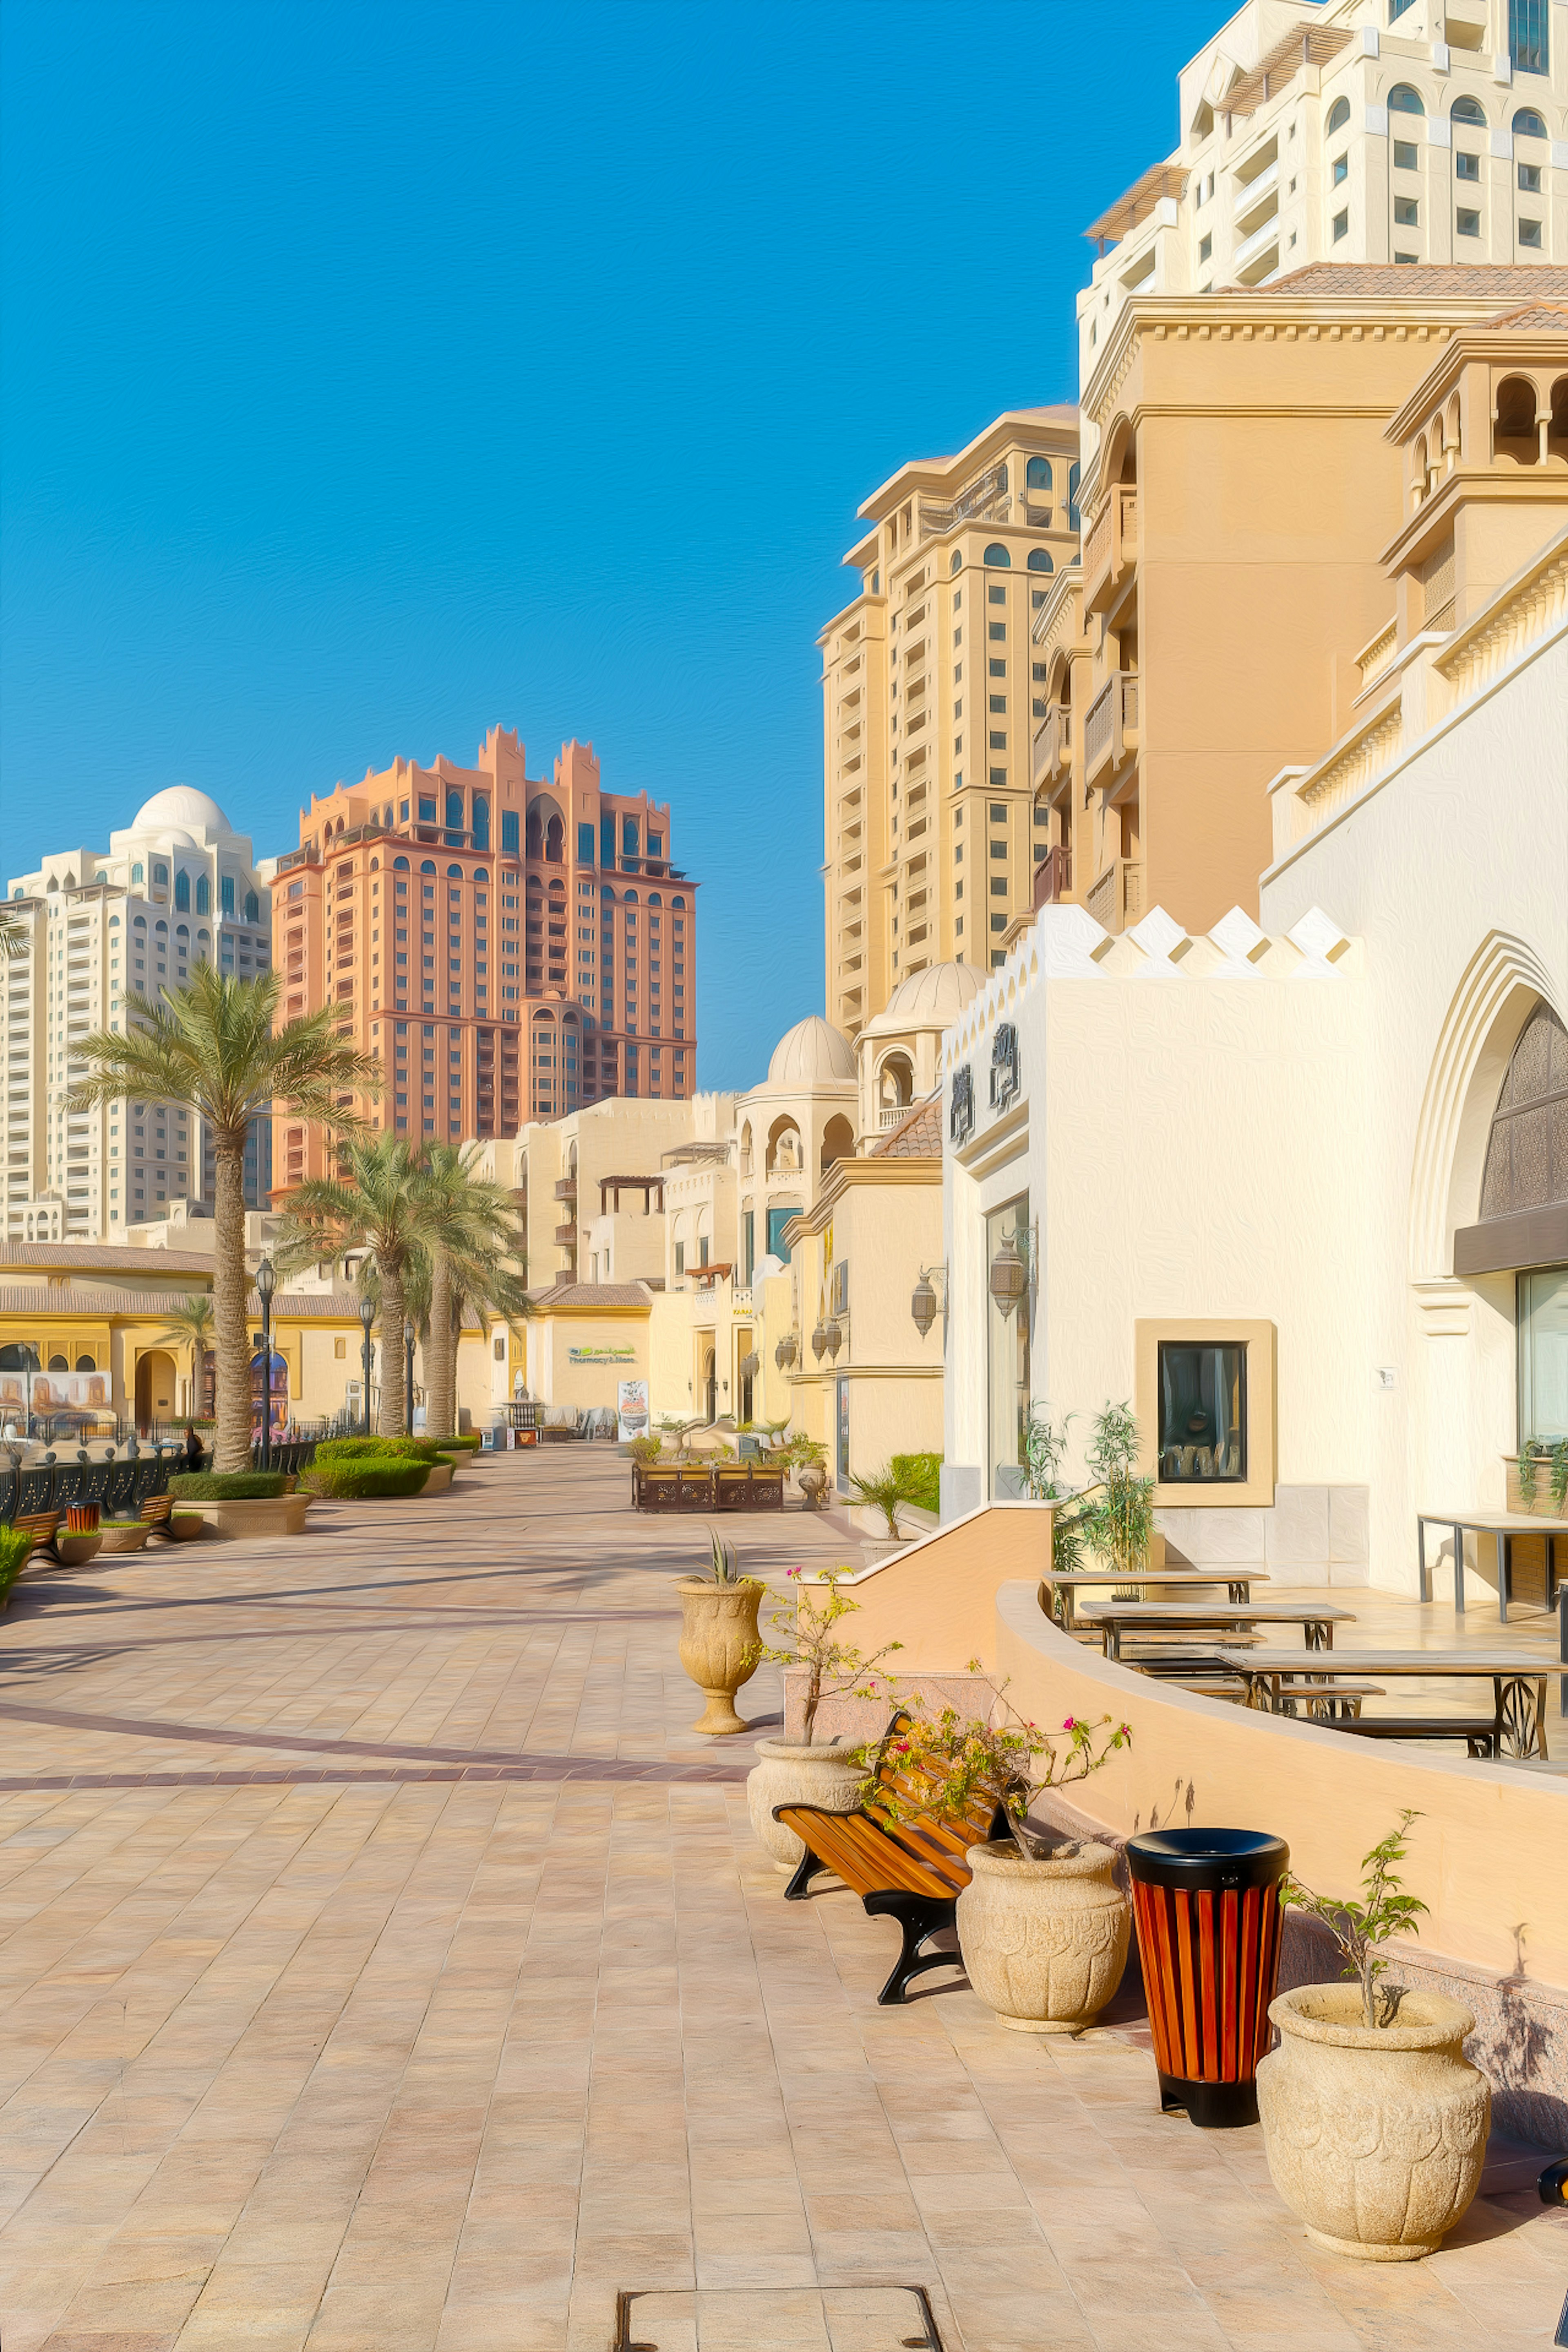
(156, 1513)
(42, 1526)
(911, 1871)
(1478, 1734)
(718, 1487)
(747, 1486)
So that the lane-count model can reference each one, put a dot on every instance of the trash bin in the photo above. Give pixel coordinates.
(1206, 1904)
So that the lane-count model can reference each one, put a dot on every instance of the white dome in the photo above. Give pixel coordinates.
(811, 1054)
(932, 998)
(181, 805)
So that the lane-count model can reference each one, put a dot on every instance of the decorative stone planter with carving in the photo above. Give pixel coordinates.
(718, 1642)
(1375, 2134)
(789, 1774)
(813, 1483)
(1044, 1942)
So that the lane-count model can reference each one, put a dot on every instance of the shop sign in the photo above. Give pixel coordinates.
(601, 1355)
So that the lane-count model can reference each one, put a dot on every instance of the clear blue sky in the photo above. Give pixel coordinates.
(373, 374)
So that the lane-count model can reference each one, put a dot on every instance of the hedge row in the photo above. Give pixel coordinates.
(227, 1485)
(364, 1477)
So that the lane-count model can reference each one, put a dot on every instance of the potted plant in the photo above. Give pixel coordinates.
(80, 1539)
(886, 1490)
(718, 1637)
(123, 1535)
(1044, 1934)
(1374, 2122)
(806, 1771)
(1528, 1489)
(15, 1550)
(807, 1457)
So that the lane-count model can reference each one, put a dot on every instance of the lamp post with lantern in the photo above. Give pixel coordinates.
(265, 1283)
(366, 1317)
(408, 1337)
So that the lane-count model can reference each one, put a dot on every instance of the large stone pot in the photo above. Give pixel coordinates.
(718, 1629)
(788, 1774)
(256, 1515)
(1044, 1942)
(813, 1483)
(76, 1550)
(130, 1535)
(1376, 2135)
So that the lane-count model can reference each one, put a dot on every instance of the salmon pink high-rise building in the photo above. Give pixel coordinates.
(509, 948)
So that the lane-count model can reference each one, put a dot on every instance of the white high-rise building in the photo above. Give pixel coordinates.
(178, 886)
(1400, 131)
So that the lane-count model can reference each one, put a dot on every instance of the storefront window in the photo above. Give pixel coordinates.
(1543, 1353)
(1202, 1413)
(1008, 1354)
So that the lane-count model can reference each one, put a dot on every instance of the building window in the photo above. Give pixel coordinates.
(1529, 124)
(1407, 212)
(1341, 169)
(1468, 222)
(1397, 8)
(1530, 233)
(1040, 559)
(181, 891)
(1206, 247)
(1527, 35)
(1402, 100)
(509, 832)
(1529, 179)
(1406, 156)
(1342, 226)
(1202, 1433)
(1466, 167)
(1542, 1318)
(1469, 109)
(997, 554)
(204, 894)
(1338, 115)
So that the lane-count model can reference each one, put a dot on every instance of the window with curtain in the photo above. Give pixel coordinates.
(1203, 1413)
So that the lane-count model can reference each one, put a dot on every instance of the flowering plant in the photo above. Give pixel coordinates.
(949, 1760)
(812, 1643)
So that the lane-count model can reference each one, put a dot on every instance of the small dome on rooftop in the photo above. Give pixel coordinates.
(183, 807)
(931, 999)
(811, 1053)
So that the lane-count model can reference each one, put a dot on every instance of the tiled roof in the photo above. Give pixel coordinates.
(593, 1294)
(1417, 281)
(105, 1257)
(78, 1298)
(919, 1137)
(1537, 318)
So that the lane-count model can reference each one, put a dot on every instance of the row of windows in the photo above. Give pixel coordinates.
(1527, 122)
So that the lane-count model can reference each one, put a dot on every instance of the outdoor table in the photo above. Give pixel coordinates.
(1518, 1683)
(1317, 1618)
(1238, 1583)
(1505, 1525)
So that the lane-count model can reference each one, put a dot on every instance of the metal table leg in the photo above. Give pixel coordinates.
(1504, 1575)
(1423, 1574)
(1459, 1571)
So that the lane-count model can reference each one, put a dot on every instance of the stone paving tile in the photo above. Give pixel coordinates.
(308, 2052)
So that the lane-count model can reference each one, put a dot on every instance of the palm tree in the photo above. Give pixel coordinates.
(470, 1226)
(14, 936)
(190, 1325)
(494, 1290)
(210, 1047)
(375, 1202)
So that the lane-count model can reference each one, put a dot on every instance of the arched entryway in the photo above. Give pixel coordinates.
(155, 1388)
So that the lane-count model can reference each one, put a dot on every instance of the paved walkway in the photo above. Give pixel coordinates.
(387, 1968)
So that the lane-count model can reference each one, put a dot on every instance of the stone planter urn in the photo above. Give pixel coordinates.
(1045, 1942)
(813, 1483)
(874, 1549)
(185, 1526)
(718, 1642)
(131, 1537)
(1376, 2135)
(75, 1551)
(789, 1774)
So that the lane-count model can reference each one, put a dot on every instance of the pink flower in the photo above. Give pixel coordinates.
(794, 1571)
(1070, 1724)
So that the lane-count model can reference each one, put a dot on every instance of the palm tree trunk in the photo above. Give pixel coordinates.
(231, 1287)
(441, 1381)
(394, 1409)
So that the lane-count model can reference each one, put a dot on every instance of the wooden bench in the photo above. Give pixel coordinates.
(657, 1487)
(156, 1513)
(911, 1871)
(42, 1526)
(1478, 1734)
(747, 1486)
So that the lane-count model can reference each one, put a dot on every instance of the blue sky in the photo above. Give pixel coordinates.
(374, 375)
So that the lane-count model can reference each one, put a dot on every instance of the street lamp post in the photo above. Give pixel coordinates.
(265, 1283)
(408, 1336)
(366, 1317)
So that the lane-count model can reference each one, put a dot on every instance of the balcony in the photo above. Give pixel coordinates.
(891, 1115)
(566, 1235)
(1115, 899)
(1111, 547)
(1050, 759)
(1053, 878)
(566, 1189)
(1111, 732)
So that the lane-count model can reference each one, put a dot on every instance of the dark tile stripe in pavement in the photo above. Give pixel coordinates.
(539, 1768)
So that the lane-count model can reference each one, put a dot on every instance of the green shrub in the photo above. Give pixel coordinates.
(366, 1479)
(15, 1549)
(646, 1449)
(921, 1477)
(227, 1485)
(361, 1449)
(467, 1441)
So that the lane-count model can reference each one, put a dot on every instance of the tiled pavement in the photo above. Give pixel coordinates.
(309, 2041)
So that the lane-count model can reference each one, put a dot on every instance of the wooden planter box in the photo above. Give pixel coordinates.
(1543, 1507)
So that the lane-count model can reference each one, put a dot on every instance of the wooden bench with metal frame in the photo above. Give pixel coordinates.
(43, 1526)
(156, 1513)
(913, 1871)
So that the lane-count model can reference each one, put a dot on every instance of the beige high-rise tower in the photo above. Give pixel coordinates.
(927, 703)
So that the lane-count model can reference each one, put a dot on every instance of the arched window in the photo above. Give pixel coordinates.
(654, 899)
(181, 931)
(183, 891)
(375, 866)
(160, 878)
(1075, 520)
(631, 897)
(678, 902)
(1464, 110)
(225, 893)
(427, 865)
(136, 874)
(1338, 115)
(1528, 124)
(1402, 100)
(1038, 476)
(996, 553)
(86, 1364)
(161, 926)
(204, 939)
(140, 924)
(252, 908)
(1040, 559)
(400, 866)
(204, 894)
(482, 822)
(957, 559)
(454, 815)
(1514, 434)
(454, 873)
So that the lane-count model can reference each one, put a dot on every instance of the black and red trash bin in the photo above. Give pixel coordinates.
(1207, 1905)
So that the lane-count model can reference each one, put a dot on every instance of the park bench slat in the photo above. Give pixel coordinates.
(912, 1871)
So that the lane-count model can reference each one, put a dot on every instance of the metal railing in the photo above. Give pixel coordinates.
(118, 1482)
(1053, 876)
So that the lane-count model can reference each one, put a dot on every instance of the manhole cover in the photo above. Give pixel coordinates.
(776, 2319)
